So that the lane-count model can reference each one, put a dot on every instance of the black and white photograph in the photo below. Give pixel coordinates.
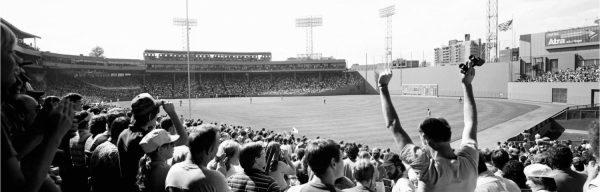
(300, 96)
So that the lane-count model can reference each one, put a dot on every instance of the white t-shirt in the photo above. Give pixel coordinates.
(441, 174)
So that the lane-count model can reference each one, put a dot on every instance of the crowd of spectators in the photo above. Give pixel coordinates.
(589, 73)
(62, 144)
(248, 67)
(207, 85)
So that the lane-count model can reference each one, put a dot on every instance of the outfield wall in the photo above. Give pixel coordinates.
(577, 93)
(490, 79)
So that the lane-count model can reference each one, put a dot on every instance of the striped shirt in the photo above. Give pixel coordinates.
(252, 180)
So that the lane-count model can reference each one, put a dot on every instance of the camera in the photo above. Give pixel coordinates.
(474, 61)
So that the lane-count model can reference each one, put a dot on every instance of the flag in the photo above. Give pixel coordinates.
(294, 130)
(505, 26)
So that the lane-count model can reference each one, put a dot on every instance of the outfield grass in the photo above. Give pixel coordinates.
(348, 118)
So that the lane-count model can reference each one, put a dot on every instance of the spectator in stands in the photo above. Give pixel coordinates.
(76, 98)
(566, 179)
(540, 178)
(393, 169)
(436, 166)
(489, 182)
(26, 110)
(435, 134)
(392, 166)
(279, 164)
(158, 145)
(105, 173)
(145, 111)
(227, 160)
(593, 180)
(78, 156)
(253, 159)
(301, 166)
(365, 174)
(513, 170)
(192, 174)
(351, 151)
(29, 173)
(98, 130)
(499, 158)
(325, 160)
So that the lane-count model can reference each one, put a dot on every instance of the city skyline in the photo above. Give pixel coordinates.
(350, 29)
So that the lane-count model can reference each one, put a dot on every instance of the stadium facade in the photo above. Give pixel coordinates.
(553, 51)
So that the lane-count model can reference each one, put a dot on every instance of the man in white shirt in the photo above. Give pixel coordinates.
(436, 163)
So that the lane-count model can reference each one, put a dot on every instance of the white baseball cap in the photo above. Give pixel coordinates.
(538, 170)
(156, 138)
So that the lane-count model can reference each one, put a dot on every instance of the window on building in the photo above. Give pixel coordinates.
(559, 95)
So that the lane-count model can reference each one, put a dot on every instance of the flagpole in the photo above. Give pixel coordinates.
(512, 31)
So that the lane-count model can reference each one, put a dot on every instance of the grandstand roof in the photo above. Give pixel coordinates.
(207, 52)
(20, 34)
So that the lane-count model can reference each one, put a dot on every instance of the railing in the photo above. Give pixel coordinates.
(579, 112)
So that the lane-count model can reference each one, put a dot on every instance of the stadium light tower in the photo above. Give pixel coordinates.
(309, 23)
(387, 13)
(491, 51)
(187, 23)
(183, 24)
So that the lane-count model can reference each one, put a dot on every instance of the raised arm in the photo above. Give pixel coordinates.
(470, 110)
(389, 113)
(170, 110)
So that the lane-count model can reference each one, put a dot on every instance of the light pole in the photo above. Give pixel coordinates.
(387, 13)
(187, 23)
(309, 23)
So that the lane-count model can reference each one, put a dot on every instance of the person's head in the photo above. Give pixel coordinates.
(158, 143)
(204, 143)
(513, 170)
(365, 173)
(376, 153)
(27, 109)
(324, 157)
(434, 131)
(253, 156)
(561, 157)
(167, 124)
(300, 154)
(364, 155)
(97, 124)
(499, 158)
(481, 166)
(351, 151)
(50, 102)
(231, 150)
(540, 177)
(76, 99)
(118, 125)
(144, 110)
(273, 156)
(10, 61)
(392, 166)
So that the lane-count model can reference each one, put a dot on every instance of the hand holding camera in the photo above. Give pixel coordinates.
(473, 61)
(468, 69)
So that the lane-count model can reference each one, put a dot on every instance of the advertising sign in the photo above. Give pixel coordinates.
(573, 36)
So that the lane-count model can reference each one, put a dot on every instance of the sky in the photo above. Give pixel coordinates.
(352, 29)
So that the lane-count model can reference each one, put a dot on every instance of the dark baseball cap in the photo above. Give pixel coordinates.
(391, 159)
(143, 104)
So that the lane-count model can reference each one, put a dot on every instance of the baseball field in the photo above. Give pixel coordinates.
(349, 118)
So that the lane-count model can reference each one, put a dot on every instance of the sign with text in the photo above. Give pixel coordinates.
(573, 36)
